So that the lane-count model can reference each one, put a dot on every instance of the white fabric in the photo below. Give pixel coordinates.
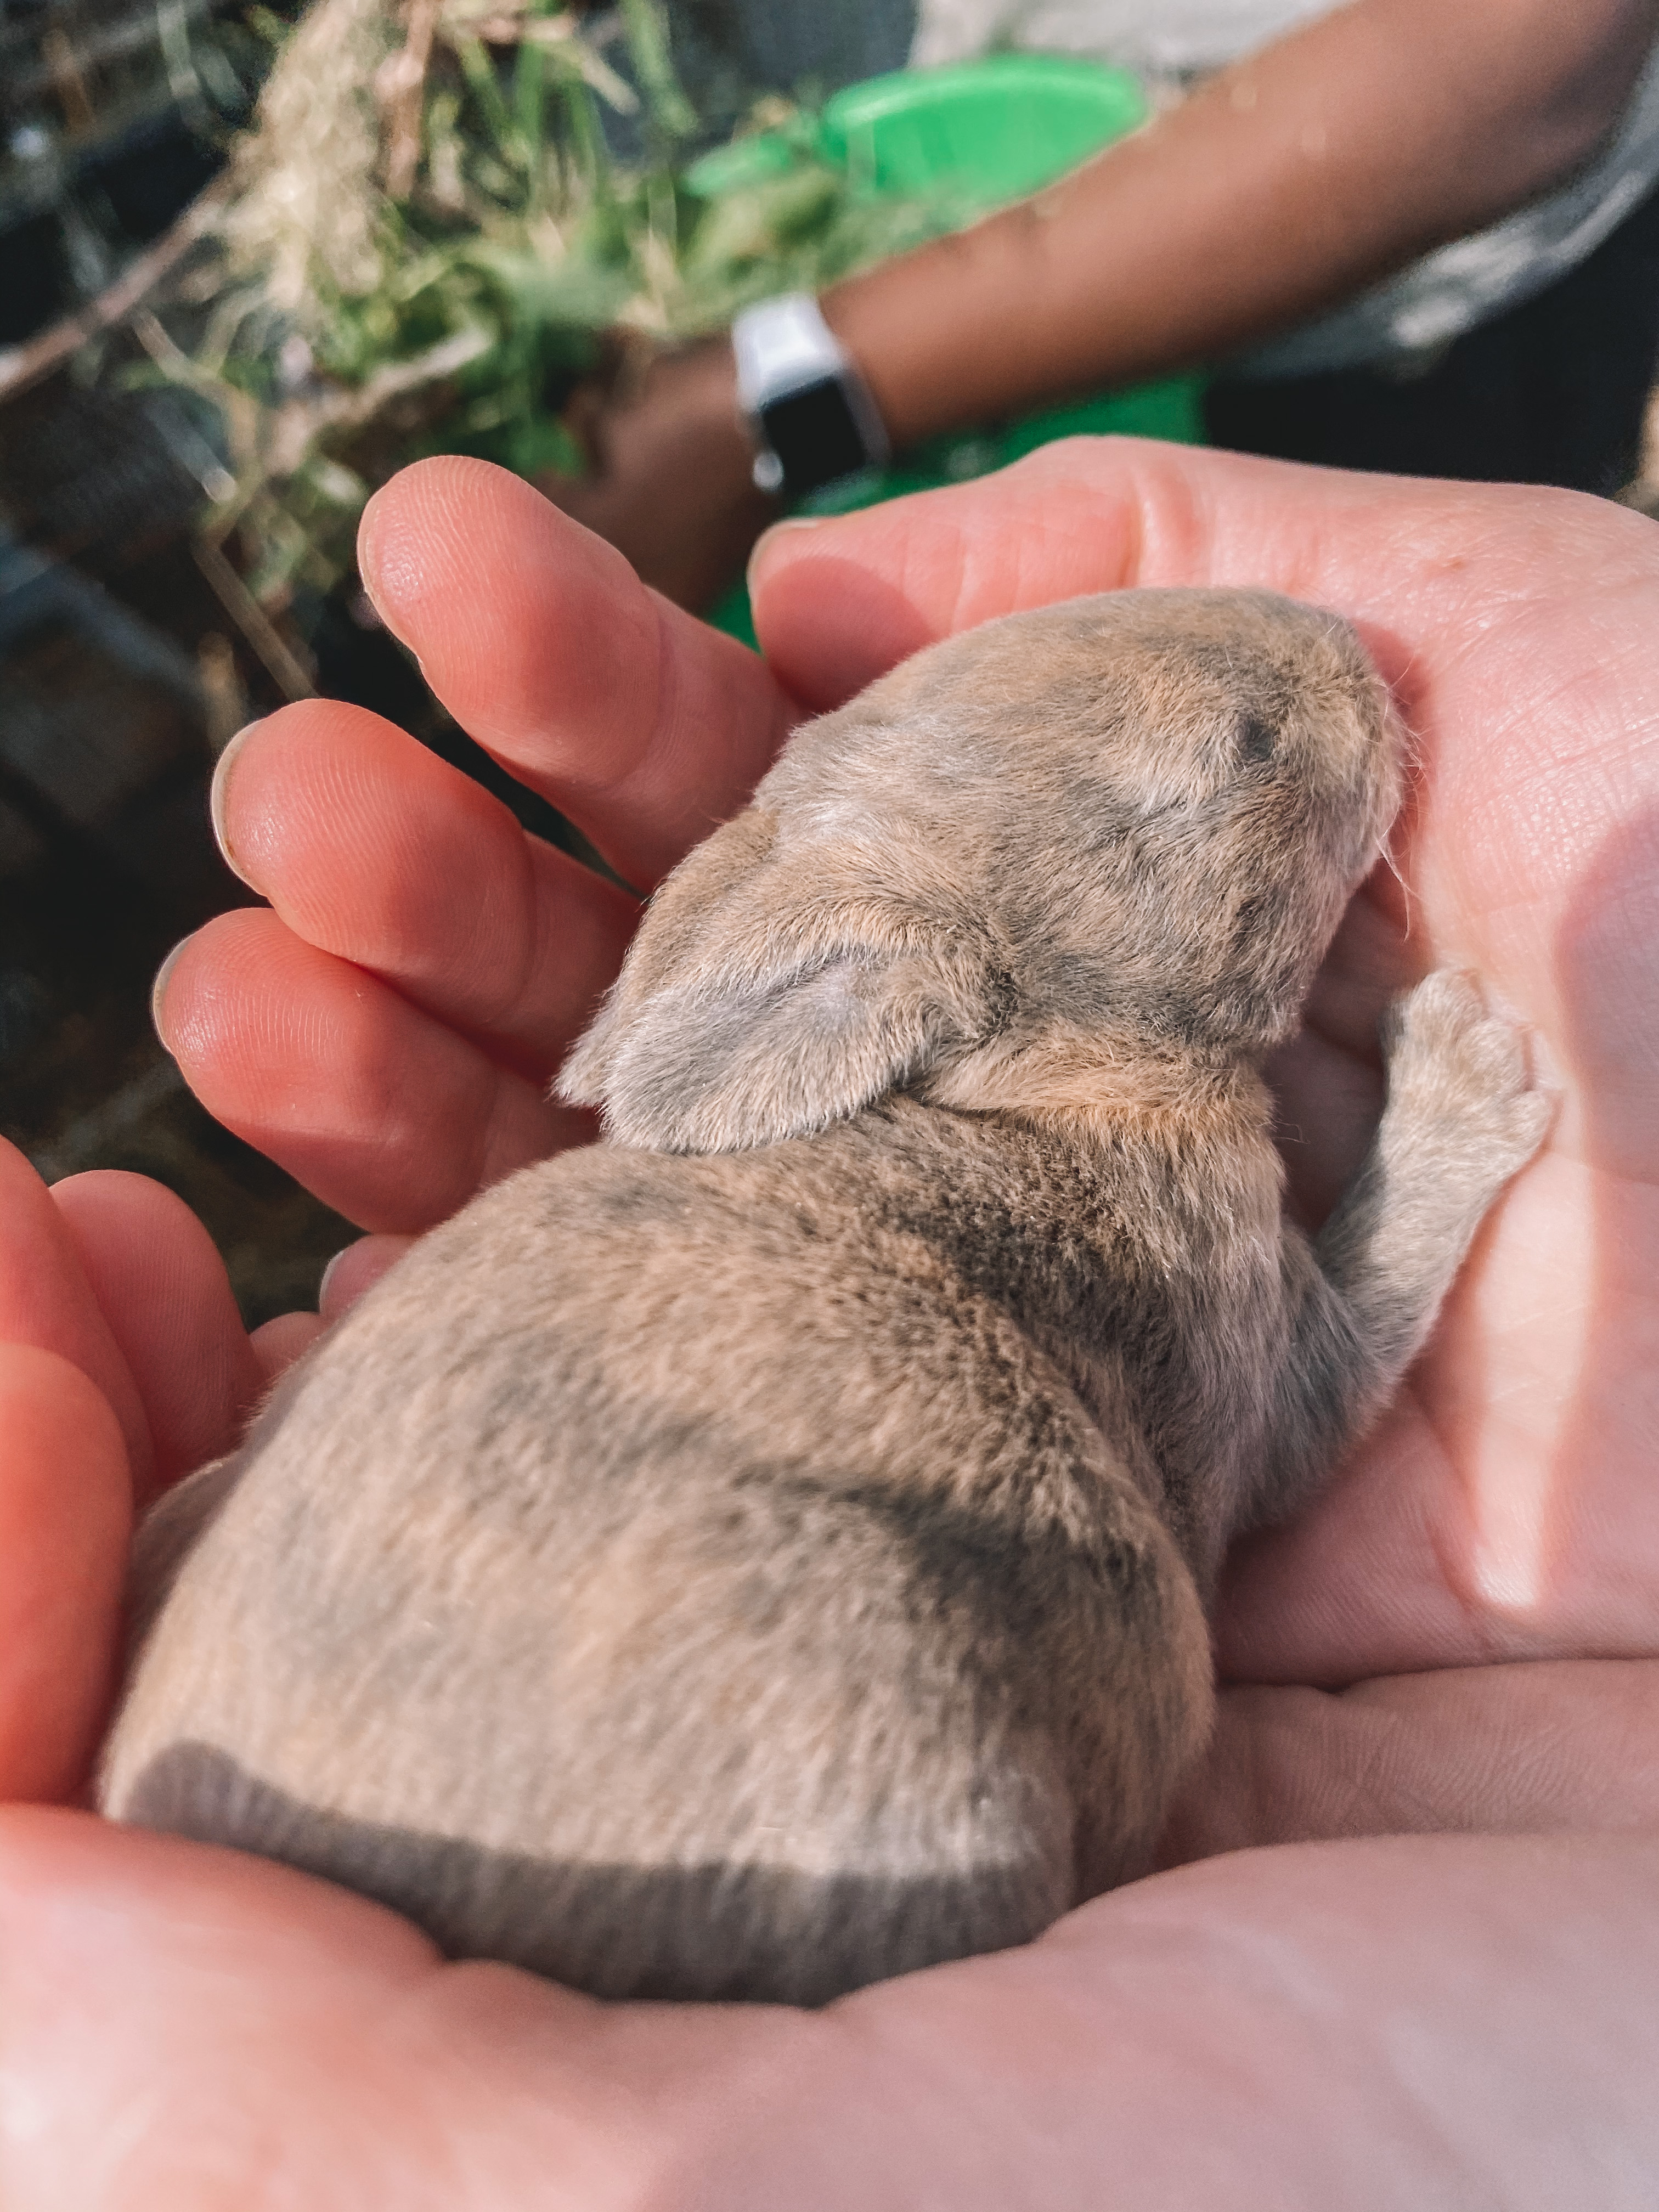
(1156, 37)
(782, 345)
(1466, 283)
(1414, 313)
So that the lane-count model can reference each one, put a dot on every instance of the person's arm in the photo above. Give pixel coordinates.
(1284, 184)
(1325, 161)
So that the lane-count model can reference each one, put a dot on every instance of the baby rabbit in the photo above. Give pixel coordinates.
(767, 1552)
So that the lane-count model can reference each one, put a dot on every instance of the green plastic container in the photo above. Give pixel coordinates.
(997, 128)
(994, 131)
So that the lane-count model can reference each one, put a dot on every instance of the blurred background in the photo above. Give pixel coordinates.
(120, 671)
(254, 257)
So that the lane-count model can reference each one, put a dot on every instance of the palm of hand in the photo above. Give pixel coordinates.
(387, 1031)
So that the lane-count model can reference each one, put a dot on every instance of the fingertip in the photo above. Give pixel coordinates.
(388, 1115)
(387, 563)
(356, 1270)
(831, 610)
(276, 1344)
(162, 1288)
(330, 1273)
(47, 1301)
(376, 559)
(769, 547)
(66, 1521)
(369, 547)
(450, 519)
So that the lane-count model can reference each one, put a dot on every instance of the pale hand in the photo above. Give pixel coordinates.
(1463, 1635)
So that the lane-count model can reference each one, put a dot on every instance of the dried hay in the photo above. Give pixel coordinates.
(426, 243)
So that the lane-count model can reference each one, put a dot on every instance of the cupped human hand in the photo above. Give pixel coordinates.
(1459, 1636)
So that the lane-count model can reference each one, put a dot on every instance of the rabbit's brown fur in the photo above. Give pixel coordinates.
(766, 1551)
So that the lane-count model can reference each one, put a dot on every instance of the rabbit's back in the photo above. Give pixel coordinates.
(679, 1577)
(763, 1554)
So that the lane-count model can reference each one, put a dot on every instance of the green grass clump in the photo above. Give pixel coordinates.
(427, 244)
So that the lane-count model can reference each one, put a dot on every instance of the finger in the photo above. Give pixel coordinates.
(163, 1289)
(384, 1113)
(65, 1518)
(642, 725)
(46, 1300)
(370, 848)
(1547, 1748)
(838, 602)
(277, 1344)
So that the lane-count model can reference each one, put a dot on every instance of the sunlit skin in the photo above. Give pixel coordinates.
(1435, 1978)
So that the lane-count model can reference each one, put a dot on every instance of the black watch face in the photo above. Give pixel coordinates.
(813, 434)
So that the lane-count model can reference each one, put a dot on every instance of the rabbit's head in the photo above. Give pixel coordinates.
(1112, 830)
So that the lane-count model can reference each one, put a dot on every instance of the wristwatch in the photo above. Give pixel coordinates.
(810, 411)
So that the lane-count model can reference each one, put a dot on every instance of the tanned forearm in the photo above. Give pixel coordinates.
(1284, 184)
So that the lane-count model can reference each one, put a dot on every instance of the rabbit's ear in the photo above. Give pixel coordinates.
(755, 1004)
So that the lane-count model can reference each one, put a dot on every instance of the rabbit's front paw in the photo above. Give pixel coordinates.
(1460, 1094)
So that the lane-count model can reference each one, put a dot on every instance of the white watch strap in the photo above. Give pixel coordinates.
(782, 345)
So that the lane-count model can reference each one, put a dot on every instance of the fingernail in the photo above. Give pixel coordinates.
(158, 990)
(341, 1287)
(777, 530)
(369, 560)
(376, 613)
(329, 1274)
(366, 543)
(216, 791)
